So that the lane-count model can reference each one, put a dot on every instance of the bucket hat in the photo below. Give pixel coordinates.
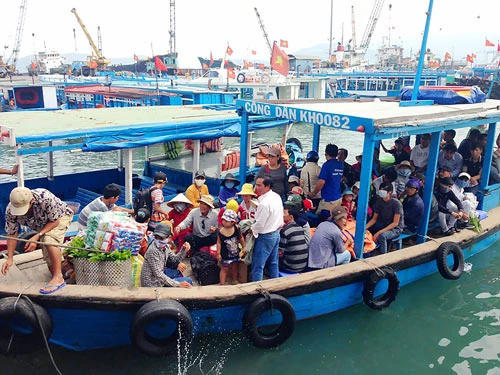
(247, 189)
(207, 199)
(229, 215)
(20, 198)
(179, 198)
(230, 177)
(405, 163)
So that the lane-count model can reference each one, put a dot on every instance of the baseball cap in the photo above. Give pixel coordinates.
(413, 184)
(162, 230)
(294, 200)
(20, 198)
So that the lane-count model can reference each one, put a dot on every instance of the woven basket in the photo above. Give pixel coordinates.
(104, 273)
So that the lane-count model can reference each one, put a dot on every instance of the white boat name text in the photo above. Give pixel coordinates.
(295, 114)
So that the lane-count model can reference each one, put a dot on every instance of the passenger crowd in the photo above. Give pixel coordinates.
(284, 223)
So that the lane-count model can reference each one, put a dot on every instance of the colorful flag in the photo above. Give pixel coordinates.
(159, 65)
(280, 60)
(254, 52)
(204, 66)
(498, 48)
(473, 56)
(470, 59)
(136, 58)
(211, 59)
(230, 73)
(229, 51)
(261, 66)
(283, 43)
(447, 57)
(488, 43)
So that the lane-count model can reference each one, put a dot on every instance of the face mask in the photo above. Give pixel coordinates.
(229, 185)
(382, 194)
(404, 172)
(161, 244)
(445, 189)
(199, 182)
(179, 207)
(461, 183)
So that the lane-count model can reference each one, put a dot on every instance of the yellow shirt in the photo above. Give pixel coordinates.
(193, 194)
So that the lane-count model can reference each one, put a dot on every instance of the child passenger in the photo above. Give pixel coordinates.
(349, 204)
(228, 253)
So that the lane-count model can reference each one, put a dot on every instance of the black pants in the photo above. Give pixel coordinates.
(197, 242)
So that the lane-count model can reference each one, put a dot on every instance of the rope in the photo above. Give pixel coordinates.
(267, 297)
(50, 244)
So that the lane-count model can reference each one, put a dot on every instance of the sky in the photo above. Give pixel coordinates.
(459, 27)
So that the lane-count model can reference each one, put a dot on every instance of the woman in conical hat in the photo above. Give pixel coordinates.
(180, 208)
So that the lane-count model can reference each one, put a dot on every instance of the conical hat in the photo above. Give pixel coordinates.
(179, 198)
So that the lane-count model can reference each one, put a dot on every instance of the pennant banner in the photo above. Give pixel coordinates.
(229, 51)
(283, 43)
(487, 43)
(159, 65)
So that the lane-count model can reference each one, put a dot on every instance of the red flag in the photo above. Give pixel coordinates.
(245, 64)
(33, 66)
(283, 43)
(229, 51)
(280, 61)
(489, 44)
(230, 73)
(470, 59)
(136, 58)
(159, 65)
(473, 56)
(447, 57)
(254, 52)
(261, 66)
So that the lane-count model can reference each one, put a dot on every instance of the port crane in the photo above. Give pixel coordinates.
(266, 37)
(98, 60)
(10, 66)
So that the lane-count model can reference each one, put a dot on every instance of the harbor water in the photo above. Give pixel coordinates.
(435, 326)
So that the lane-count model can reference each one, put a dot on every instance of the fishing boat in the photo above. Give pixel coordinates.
(81, 317)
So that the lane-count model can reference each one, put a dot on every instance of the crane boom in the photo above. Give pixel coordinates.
(172, 38)
(353, 25)
(19, 35)
(266, 37)
(101, 61)
(372, 22)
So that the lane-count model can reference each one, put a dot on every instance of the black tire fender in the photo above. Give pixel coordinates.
(389, 296)
(455, 271)
(155, 311)
(277, 336)
(240, 77)
(24, 236)
(23, 313)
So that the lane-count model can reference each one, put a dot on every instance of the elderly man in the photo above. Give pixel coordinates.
(43, 212)
(268, 221)
(327, 248)
(204, 222)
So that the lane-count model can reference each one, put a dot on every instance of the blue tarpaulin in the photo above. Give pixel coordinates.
(446, 95)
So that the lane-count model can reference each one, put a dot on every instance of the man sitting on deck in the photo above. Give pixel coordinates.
(387, 222)
(105, 203)
(43, 212)
(293, 244)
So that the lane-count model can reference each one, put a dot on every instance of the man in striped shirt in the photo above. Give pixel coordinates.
(293, 244)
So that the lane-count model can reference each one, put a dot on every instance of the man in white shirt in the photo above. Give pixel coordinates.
(420, 154)
(268, 221)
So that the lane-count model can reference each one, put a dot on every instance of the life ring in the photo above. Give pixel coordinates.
(240, 77)
(24, 236)
(26, 326)
(378, 303)
(27, 96)
(277, 336)
(153, 315)
(454, 272)
(265, 78)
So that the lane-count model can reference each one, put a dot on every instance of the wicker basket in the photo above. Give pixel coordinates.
(104, 273)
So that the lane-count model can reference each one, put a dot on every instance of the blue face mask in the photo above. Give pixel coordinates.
(179, 207)
(229, 184)
(404, 172)
(161, 244)
(461, 183)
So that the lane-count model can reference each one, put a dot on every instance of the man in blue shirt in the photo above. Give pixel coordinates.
(329, 182)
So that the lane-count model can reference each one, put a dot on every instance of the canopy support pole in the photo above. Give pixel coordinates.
(430, 172)
(128, 156)
(285, 134)
(120, 160)
(249, 146)
(50, 163)
(196, 156)
(488, 155)
(316, 135)
(364, 194)
(20, 162)
(244, 146)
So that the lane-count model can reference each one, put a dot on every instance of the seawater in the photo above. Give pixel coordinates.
(435, 326)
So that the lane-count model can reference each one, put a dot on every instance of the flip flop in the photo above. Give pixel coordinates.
(57, 287)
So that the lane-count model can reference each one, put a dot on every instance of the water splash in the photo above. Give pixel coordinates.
(444, 342)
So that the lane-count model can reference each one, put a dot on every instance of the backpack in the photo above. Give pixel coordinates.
(143, 199)
(205, 268)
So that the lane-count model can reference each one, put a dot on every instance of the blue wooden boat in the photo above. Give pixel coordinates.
(82, 317)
